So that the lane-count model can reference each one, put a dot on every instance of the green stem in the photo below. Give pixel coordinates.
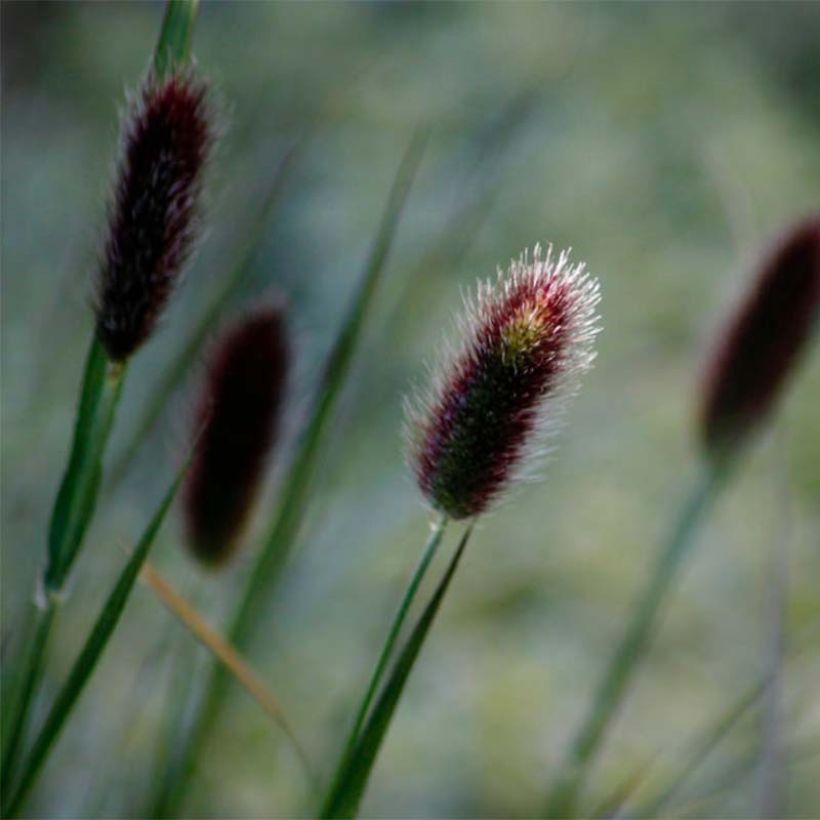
(174, 45)
(89, 657)
(23, 691)
(348, 789)
(292, 505)
(70, 518)
(398, 621)
(629, 652)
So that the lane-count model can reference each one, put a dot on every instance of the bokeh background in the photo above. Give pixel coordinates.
(667, 144)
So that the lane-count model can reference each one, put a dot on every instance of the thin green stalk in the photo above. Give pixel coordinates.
(70, 517)
(174, 45)
(349, 787)
(702, 746)
(76, 499)
(295, 493)
(88, 658)
(23, 690)
(562, 801)
(398, 621)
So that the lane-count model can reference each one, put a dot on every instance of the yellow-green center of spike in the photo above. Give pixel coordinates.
(524, 332)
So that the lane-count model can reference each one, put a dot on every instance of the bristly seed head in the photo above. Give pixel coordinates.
(167, 137)
(237, 421)
(523, 344)
(762, 341)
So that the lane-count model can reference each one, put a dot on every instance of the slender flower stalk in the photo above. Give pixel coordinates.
(239, 412)
(523, 345)
(429, 552)
(747, 371)
(146, 180)
(89, 656)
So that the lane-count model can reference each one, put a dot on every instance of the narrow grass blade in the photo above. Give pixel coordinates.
(700, 749)
(614, 802)
(244, 674)
(90, 655)
(222, 297)
(346, 794)
(630, 650)
(70, 517)
(293, 501)
(174, 44)
(77, 496)
(295, 493)
(794, 753)
(772, 790)
(22, 691)
(395, 628)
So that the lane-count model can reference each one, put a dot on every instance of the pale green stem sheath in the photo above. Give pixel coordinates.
(88, 658)
(395, 629)
(70, 517)
(296, 489)
(562, 801)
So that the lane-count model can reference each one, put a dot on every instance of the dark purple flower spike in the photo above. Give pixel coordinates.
(523, 345)
(167, 137)
(237, 418)
(762, 341)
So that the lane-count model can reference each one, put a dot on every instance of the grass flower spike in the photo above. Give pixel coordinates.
(763, 340)
(238, 413)
(167, 136)
(526, 340)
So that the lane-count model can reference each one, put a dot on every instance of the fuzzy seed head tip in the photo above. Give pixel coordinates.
(237, 421)
(167, 135)
(523, 342)
(762, 341)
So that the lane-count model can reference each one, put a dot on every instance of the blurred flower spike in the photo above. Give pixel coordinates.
(762, 341)
(523, 343)
(153, 222)
(237, 420)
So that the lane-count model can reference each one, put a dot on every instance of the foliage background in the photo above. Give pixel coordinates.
(666, 145)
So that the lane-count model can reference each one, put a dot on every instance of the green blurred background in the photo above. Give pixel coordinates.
(666, 144)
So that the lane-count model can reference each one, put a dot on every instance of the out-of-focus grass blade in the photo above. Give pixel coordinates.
(225, 292)
(703, 745)
(629, 652)
(614, 802)
(735, 772)
(174, 45)
(293, 500)
(345, 796)
(90, 655)
(295, 492)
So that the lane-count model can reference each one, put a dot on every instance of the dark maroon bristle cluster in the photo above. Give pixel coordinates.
(237, 421)
(763, 340)
(167, 136)
(525, 342)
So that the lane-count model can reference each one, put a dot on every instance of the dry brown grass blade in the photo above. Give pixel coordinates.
(233, 661)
